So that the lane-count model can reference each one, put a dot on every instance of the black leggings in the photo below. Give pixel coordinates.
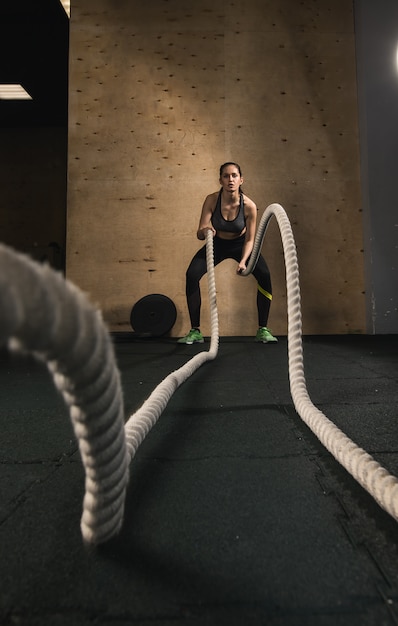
(226, 249)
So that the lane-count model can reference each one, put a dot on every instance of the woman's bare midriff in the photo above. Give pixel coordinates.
(223, 235)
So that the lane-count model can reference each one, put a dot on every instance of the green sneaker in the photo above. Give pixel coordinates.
(194, 336)
(265, 336)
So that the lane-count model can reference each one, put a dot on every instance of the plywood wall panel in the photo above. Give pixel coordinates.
(160, 95)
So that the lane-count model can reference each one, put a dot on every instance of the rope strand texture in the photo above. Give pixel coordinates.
(381, 485)
(43, 314)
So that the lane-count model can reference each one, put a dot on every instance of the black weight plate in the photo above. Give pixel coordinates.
(153, 315)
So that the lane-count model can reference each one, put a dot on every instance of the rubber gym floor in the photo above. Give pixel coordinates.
(235, 512)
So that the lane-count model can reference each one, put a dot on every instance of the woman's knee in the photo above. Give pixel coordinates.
(195, 271)
(263, 275)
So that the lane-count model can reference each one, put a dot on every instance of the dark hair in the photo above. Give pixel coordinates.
(224, 165)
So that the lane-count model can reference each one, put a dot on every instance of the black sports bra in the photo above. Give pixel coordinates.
(229, 226)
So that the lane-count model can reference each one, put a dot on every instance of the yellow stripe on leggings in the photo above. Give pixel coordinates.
(265, 293)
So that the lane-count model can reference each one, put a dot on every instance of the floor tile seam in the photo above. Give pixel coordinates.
(389, 598)
(343, 377)
(347, 519)
(94, 614)
(359, 401)
(353, 607)
(223, 408)
(223, 457)
(196, 383)
(19, 500)
(385, 452)
(378, 572)
(65, 459)
(359, 539)
(382, 458)
(324, 406)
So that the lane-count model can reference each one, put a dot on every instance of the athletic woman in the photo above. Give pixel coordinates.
(231, 216)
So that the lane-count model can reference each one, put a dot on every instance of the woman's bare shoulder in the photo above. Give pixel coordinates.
(211, 199)
(214, 195)
(249, 203)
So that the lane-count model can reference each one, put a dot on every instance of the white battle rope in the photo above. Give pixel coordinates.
(139, 424)
(42, 313)
(382, 486)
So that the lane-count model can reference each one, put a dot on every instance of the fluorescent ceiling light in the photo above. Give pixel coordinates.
(66, 5)
(13, 92)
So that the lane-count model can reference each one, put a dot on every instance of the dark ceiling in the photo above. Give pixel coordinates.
(34, 42)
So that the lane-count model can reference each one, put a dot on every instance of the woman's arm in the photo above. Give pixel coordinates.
(251, 220)
(205, 217)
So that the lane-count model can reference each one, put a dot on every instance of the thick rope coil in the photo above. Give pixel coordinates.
(42, 313)
(381, 485)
